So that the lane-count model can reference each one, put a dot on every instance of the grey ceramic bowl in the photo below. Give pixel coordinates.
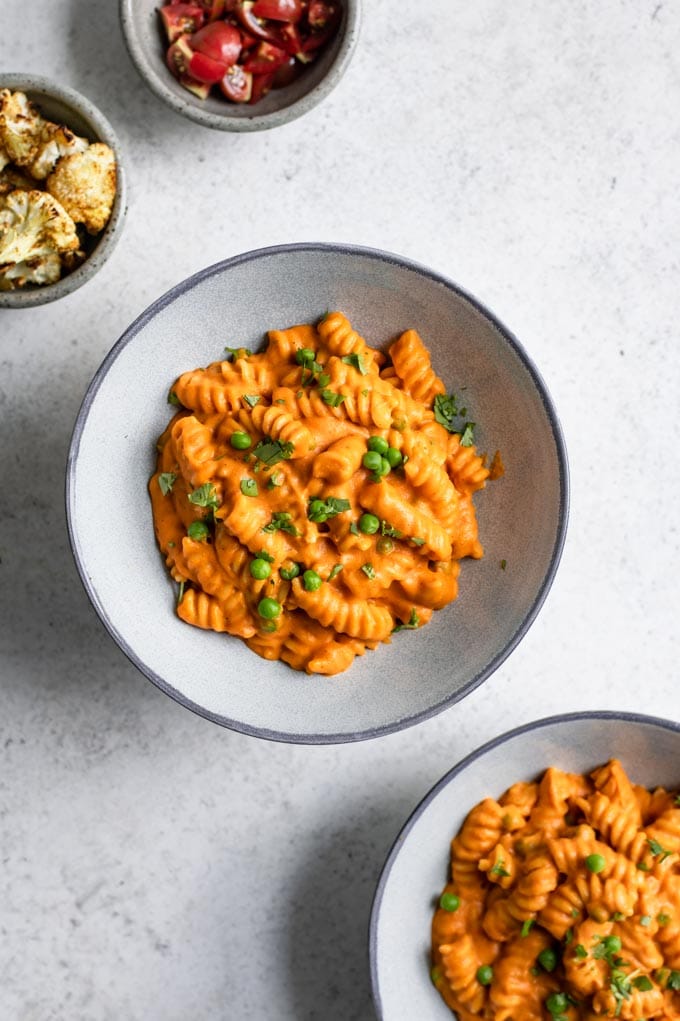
(66, 106)
(418, 865)
(147, 47)
(522, 516)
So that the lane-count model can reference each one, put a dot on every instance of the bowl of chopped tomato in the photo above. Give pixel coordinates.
(241, 65)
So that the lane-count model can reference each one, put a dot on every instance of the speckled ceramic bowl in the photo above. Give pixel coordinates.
(66, 106)
(418, 865)
(147, 46)
(522, 517)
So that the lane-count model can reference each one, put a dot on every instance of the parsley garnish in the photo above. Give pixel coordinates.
(180, 594)
(499, 869)
(413, 623)
(174, 399)
(275, 480)
(646, 921)
(335, 572)
(365, 393)
(252, 399)
(324, 509)
(357, 362)
(354, 529)
(448, 414)
(369, 570)
(205, 496)
(270, 451)
(527, 926)
(387, 529)
(417, 541)
(674, 981)
(334, 400)
(238, 352)
(504, 564)
(281, 522)
(249, 487)
(467, 436)
(580, 951)
(166, 481)
(263, 555)
(620, 987)
(663, 919)
(643, 983)
(656, 849)
(644, 867)
(676, 800)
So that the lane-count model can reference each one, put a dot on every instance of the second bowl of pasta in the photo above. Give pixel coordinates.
(321, 455)
(539, 879)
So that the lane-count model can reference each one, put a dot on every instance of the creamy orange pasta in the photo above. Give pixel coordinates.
(564, 903)
(316, 497)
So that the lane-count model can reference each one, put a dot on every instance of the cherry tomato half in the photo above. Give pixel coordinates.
(278, 10)
(262, 84)
(219, 41)
(266, 58)
(179, 19)
(214, 9)
(253, 25)
(237, 84)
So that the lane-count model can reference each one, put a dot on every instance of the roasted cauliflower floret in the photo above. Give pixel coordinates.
(85, 184)
(13, 180)
(31, 141)
(4, 158)
(35, 231)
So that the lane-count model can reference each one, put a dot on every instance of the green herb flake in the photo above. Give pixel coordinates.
(417, 541)
(263, 555)
(320, 510)
(618, 916)
(580, 951)
(252, 399)
(467, 437)
(643, 983)
(446, 412)
(270, 451)
(663, 919)
(180, 594)
(166, 481)
(335, 572)
(174, 399)
(354, 528)
(204, 496)
(281, 522)
(674, 981)
(249, 487)
(527, 926)
(357, 362)
(676, 800)
(365, 393)
(234, 353)
(369, 571)
(275, 480)
(334, 400)
(387, 529)
(324, 379)
(644, 867)
(504, 564)
(646, 921)
(658, 851)
(620, 988)
(413, 623)
(568, 936)
(499, 869)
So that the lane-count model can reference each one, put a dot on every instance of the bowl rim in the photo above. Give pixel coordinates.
(109, 237)
(460, 767)
(257, 122)
(172, 295)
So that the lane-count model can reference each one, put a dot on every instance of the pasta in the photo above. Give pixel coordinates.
(564, 903)
(316, 497)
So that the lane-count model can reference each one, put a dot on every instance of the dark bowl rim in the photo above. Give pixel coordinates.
(176, 292)
(110, 235)
(257, 122)
(460, 767)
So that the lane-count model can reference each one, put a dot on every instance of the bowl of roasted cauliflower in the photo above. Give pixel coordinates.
(62, 190)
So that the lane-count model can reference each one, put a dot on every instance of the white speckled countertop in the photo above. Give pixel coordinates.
(155, 867)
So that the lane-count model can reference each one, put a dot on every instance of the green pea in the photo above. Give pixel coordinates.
(384, 545)
(268, 608)
(557, 1003)
(378, 444)
(596, 863)
(288, 573)
(260, 569)
(485, 975)
(198, 530)
(316, 507)
(312, 581)
(548, 959)
(449, 902)
(369, 524)
(240, 441)
(372, 460)
(304, 355)
(384, 468)
(393, 457)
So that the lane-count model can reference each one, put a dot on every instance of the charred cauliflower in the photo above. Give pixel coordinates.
(13, 180)
(85, 184)
(35, 231)
(31, 141)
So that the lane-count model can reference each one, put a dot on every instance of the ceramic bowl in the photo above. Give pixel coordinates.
(147, 46)
(66, 106)
(418, 865)
(522, 517)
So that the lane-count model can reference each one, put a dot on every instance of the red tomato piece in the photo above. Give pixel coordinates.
(291, 40)
(205, 69)
(214, 9)
(219, 41)
(320, 13)
(179, 56)
(266, 58)
(319, 38)
(237, 84)
(199, 89)
(253, 24)
(287, 73)
(278, 10)
(262, 84)
(180, 18)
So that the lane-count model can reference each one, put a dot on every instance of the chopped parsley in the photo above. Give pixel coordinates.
(334, 400)
(237, 352)
(467, 437)
(275, 480)
(417, 541)
(166, 481)
(320, 510)
(335, 572)
(656, 849)
(674, 981)
(620, 988)
(580, 951)
(281, 522)
(249, 487)
(499, 869)
(263, 555)
(527, 926)
(663, 919)
(205, 496)
(643, 983)
(448, 414)
(252, 399)
(413, 623)
(504, 564)
(270, 451)
(180, 594)
(354, 529)
(369, 571)
(357, 362)
(387, 529)
(174, 399)
(365, 393)
(646, 921)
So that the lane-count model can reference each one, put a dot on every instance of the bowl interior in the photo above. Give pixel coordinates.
(522, 516)
(418, 865)
(147, 44)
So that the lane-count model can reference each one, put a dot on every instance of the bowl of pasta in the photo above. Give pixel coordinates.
(299, 458)
(540, 878)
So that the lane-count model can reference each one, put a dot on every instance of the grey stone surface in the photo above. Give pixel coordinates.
(155, 867)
